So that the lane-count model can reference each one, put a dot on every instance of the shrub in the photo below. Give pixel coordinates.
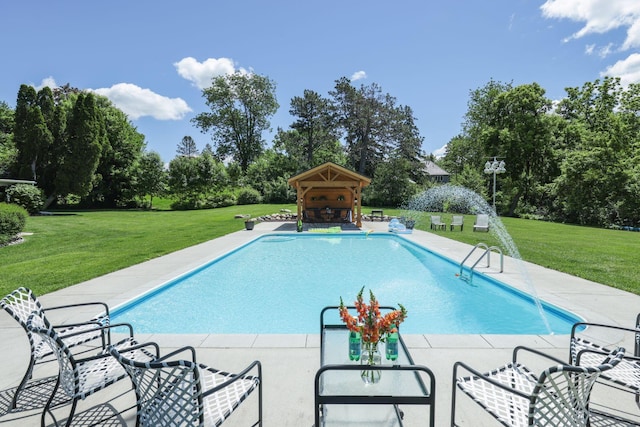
(249, 196)
(27, 196)
(221, 200)
(12, 221)
(279, 191)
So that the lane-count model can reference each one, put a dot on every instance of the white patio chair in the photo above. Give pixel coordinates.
(20, 304)
(81, 377)
(515, 396)
(457, 221)
(481, 223)
(436, 223)
(186, 393)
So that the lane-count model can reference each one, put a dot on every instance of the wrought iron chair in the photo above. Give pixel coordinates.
(20, 304)
(626, 375)
(81, 377)
(184, 392)
(515, 396)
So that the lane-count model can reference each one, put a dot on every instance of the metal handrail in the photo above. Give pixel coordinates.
(487, 253)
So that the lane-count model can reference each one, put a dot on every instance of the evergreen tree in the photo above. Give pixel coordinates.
(86, 139)
(187, 147)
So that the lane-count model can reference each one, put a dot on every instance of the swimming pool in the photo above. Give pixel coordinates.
(279, 283)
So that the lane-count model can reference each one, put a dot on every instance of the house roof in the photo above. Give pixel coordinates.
(329, 175)
(434, 170)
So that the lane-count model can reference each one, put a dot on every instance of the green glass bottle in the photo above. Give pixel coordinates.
(355, 345)
(391, 346)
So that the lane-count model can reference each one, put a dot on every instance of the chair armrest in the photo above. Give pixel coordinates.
(102, 305)
(480, 376)
(254, 365)
(178, 351)
(600, 325)
(536, 352)
(135, 347)
(105, 329)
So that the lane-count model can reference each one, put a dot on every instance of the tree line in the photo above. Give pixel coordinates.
(572, 161)
(576, 160)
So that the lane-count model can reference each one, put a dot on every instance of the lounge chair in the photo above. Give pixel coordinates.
(481, 223)
(626, 375)
(20, 304)
(436, 223)
(515, 396)
(81, 377)
(184, 392)
(457, 221)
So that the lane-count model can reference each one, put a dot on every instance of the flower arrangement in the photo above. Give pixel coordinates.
(372, 326)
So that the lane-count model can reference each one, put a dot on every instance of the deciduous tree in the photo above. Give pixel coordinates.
(241, 105)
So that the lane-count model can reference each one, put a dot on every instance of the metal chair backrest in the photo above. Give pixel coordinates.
(561, 395)
(39, 326)
(168, 393)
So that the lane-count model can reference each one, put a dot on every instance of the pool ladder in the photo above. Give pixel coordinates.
(486, 254)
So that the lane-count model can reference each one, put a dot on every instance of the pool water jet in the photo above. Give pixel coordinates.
(452, 198)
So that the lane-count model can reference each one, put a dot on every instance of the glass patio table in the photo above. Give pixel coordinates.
(343, 399)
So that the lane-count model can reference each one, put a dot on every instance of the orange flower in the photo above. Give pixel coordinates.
(372, 326)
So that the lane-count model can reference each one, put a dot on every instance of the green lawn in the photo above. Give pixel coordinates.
(605, 256)
(71, 247)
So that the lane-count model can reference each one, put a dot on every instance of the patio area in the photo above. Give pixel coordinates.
(289, 362)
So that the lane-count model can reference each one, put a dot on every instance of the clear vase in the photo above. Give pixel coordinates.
(370, 356)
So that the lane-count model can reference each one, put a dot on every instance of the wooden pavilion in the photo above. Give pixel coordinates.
(329, 193)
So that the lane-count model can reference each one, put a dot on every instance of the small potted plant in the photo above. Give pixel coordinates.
(249, 223)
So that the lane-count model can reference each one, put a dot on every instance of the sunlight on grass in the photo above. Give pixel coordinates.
(71, 247)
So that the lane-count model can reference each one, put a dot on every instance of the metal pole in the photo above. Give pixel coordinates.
(494, 191)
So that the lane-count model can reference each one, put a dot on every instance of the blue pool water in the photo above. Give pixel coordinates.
(279, 283)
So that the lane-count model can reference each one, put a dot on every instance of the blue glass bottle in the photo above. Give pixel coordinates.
(355, 345)
(391, 346)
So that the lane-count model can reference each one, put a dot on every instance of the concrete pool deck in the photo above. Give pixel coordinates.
(290, 361)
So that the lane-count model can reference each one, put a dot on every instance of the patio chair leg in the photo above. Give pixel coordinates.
(23, 383)
(47, 408)
(453, 397)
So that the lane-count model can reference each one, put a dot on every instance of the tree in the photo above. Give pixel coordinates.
(373, 126)
(150, 176)
(191, 179)
(32, 136)
(86, 139)
(123, 145)
(512, 122)
(241, 105)
(315, 125)
(187, 147)
(391, 185)
(8, 152)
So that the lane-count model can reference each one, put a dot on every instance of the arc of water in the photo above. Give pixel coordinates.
(461, 199)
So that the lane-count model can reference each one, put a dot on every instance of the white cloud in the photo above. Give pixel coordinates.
(588, 49)
(137, 102)
(358, 75)
(201, 73)
(627, 69)
(440, 152)
(47, 81)
(599, 16)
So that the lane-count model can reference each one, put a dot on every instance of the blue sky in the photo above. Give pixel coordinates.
(152, 58)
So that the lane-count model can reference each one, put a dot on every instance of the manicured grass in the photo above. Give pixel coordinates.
(605, 256)
(70, 247)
